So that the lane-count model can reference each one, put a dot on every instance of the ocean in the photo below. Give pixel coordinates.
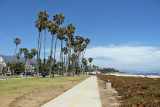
(147, 74)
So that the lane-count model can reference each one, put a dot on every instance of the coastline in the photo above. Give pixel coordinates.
(133, 75)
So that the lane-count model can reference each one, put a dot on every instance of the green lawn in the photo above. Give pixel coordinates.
(34, 91)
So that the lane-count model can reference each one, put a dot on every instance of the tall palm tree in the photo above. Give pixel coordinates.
(65, 51)
(59, 19)
(43, 22)
(70, 32)
(52, 27)
(38, 24)
(90, 60)
(87, 41)
(62, 31)
(17, 41)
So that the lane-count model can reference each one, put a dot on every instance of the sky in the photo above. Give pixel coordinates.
(125, 34)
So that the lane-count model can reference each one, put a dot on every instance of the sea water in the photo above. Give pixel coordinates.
(147, 74)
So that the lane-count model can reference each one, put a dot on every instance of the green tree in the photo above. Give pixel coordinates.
(84, 61)
(53, 28)
(62, 31)
(59, 19)
(90, 61)
(18, 55)
(17, 41)
(33, 52)
(38, 24)
(70, 32)
(41, 24)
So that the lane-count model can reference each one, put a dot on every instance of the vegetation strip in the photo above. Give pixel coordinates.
(136, 92)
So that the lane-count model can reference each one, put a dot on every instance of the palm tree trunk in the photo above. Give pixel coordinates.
(83, 53)
(69, 54)
(54, 55)
(51, 56)
(61, 57)
(44, 69)
(37, 63)
(64, 64)
(15, 54)
(25, 66)
(40, 47)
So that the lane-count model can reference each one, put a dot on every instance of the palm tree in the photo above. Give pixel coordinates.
(33, 52)
(62, 31)
(84, 61)
(59, 19)
(42, 22)
(26, 55)
(39, 26)
(70, 30)
(53, 27)
(30, 57)
(17, 41)
(18, 55)
(90, 60)
(65, 51)
(74, 59)
(87, 41)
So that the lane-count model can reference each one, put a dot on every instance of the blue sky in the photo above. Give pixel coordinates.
(116, 27)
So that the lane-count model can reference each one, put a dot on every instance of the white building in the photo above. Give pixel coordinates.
(2, 64)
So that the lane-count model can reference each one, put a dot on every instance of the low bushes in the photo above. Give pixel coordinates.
(136, 92)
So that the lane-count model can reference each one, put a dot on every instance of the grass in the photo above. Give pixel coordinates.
(34, 91)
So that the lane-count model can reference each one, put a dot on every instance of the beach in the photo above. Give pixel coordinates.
(133, 75)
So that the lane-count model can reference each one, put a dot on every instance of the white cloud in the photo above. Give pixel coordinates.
(140, 58)
(126, 57)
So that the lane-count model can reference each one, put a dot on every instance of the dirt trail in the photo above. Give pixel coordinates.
(108, 96)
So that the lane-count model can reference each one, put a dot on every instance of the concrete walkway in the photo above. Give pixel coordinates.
(85, 94)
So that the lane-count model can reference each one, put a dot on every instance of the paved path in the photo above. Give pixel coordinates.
(85, 94)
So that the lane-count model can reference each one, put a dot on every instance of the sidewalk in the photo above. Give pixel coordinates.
(85, 94)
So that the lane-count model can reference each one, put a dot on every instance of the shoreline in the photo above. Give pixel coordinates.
(133, 75)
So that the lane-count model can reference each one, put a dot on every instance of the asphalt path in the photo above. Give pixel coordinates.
(85, 94)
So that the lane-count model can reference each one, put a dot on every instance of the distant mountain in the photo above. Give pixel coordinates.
(10, 59)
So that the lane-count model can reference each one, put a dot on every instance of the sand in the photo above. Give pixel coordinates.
(132, 75)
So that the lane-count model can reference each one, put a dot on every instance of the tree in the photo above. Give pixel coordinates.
(70, 32)
(62, 31)
(84, 61)
(26, 55)
(53, 28)
(41, 24)
(18, 55)
(17, 41)
(59, 19)
(90, 61)
(65, 51)
(33, 52)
